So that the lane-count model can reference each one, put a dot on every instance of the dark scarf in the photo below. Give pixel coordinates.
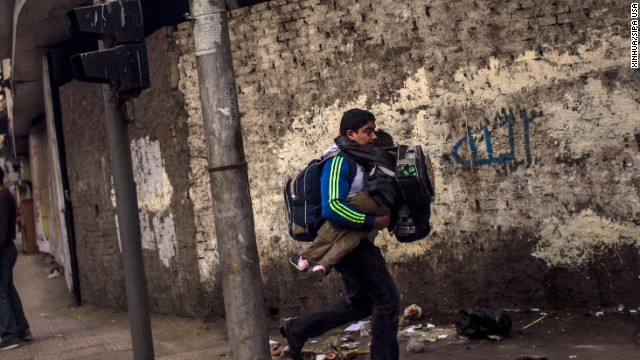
(381, 185)
(367, 156)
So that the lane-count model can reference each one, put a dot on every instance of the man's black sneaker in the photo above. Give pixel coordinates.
(295, 344)
(9, 344)
(24, 335)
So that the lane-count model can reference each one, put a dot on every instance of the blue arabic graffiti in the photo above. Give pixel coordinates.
(508, 118)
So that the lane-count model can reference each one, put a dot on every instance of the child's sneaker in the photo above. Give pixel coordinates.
(300, 262)
(315, 273)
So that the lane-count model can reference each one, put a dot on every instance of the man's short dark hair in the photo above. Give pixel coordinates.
(1, 175)
(354, 119)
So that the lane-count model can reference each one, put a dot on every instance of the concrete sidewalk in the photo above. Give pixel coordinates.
(61, 331)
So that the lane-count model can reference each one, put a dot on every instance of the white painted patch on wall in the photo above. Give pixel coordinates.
(148, 237)
(572, 242)
(165, 235)
(154, 191)
(158, 233)
(152, 183)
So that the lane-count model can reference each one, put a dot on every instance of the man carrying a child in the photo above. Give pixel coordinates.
(345, 242)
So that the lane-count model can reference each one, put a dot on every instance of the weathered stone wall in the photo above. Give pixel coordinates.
(171, 241)
(547, 215)
(88, 166)
(527, 109)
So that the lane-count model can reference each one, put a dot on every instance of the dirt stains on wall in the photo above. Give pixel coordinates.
(526, 108)
(578, 240)
(523, 108)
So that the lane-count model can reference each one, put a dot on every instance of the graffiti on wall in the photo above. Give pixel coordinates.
(503, 118)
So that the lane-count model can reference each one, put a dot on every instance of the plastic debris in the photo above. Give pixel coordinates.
(333, 342)
(356, 327)
(415, 345)
(349, 346)
(54, 274)
(366, 330)
(347, 338)
(495, 337)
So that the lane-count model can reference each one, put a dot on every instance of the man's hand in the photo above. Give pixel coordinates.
(382, 222)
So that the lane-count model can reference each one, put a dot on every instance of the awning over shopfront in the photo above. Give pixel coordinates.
(29, 28)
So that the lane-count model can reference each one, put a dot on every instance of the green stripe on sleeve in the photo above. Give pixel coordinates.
(334, 193)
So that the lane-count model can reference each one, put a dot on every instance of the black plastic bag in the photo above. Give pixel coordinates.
(483, 323)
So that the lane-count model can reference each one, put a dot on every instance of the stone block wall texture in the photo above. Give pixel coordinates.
(171, 240)
(528, 110)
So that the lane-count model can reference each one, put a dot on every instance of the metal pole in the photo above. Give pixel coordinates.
(239, 263)
(128, 226)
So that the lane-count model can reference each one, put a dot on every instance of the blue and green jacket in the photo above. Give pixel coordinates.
(335, 188)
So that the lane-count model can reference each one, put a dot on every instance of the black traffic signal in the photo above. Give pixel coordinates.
(123, 62)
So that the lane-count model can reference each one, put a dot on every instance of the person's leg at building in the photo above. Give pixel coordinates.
(13, 323)
(370, 290)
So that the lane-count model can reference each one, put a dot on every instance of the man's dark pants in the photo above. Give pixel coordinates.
(371, 291)
(12, 319)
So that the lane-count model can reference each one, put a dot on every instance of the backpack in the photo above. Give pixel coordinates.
(408, 189)
(303, 200)
(410, 222)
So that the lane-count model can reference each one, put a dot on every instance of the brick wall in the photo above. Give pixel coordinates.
(546, 216)
(550, 219)
(160, 157)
